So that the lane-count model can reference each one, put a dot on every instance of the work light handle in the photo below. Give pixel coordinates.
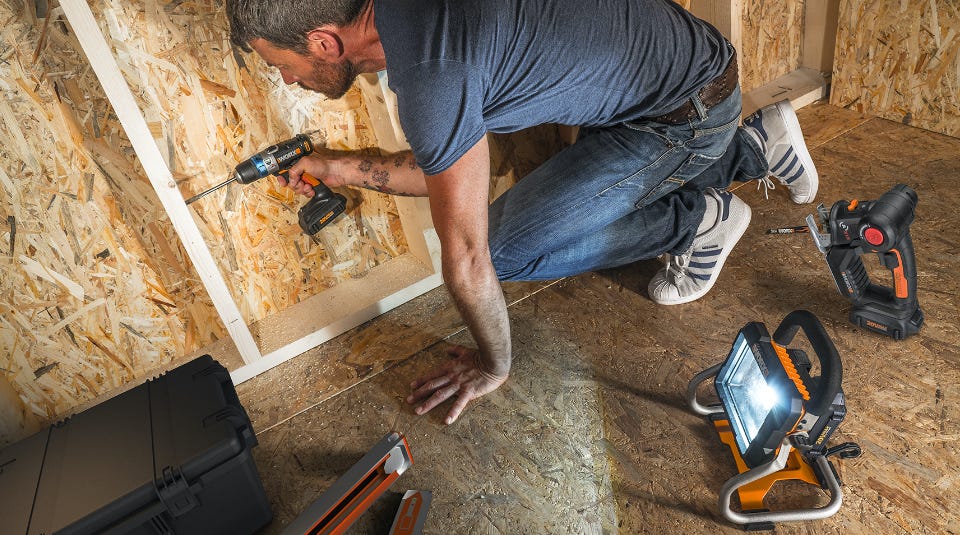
(831, 371)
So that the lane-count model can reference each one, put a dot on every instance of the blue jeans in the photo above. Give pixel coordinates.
(622, 193)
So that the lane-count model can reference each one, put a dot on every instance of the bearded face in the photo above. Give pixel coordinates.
(331, 79)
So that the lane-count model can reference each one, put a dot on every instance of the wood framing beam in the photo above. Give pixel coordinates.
(807, 84)
(315, 320)
(353, 302)
(339, 309)
(811, 81)
(820, 20)
(115, 86)
(725, 15)
(414, 212)
(418, 229)
(802, 87)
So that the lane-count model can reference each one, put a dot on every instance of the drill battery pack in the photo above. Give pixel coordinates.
(897, 324)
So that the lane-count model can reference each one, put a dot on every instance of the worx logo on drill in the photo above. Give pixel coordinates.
(847, 281)
(293, 153)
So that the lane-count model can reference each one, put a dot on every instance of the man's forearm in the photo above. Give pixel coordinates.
(479, 299)
(396, 174)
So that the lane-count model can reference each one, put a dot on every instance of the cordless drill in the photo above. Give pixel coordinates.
(321, 209)
(882, 227)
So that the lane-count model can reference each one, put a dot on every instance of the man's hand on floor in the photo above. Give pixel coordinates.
(461, 377)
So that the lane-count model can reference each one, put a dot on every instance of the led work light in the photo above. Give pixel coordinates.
(776, 418)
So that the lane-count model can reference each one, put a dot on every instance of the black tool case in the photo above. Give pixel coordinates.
(171, 456)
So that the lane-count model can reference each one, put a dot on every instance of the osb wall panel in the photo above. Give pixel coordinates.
(901, 61)
(772, 33)
(83, 306)
(96, 291)
(212, 108)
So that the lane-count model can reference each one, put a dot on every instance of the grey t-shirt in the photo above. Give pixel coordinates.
(461, 68)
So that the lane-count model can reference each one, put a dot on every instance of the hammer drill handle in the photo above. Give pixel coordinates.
(848, 272)
(853, 280)
(306, 177)
(903, 264)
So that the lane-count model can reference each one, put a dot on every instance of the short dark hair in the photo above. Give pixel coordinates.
(285, 23)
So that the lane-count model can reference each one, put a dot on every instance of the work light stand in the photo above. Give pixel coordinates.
(753, 484)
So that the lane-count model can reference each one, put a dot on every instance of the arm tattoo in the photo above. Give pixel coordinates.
(381, 178)
(377, 176)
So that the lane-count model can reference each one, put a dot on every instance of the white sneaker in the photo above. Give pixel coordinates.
(776, 129)
(689, 276)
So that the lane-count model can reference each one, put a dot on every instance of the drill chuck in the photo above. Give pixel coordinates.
(250, 170)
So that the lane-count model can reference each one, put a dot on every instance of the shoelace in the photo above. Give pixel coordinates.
(768, 185)
(677, 266)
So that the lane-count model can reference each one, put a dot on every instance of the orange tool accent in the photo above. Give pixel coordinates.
(753, 494)
(899, 279)
(351, 495)
(791, 370)
(412, 513)
(310, 179)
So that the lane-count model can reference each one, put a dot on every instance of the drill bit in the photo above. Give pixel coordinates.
(788, 230)
(211, 190)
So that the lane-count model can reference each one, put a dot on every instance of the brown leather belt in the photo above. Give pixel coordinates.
(711, 94)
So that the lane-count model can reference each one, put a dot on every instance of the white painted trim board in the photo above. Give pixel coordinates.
(115, 86)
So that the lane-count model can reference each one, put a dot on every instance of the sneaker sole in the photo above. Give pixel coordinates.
(800, 148)
(739, 231)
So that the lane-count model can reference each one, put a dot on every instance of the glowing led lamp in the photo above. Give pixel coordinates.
(759, 394)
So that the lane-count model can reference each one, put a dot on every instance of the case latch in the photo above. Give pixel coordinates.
(175, 492)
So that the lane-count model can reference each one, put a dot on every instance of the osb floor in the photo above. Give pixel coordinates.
(592, 435)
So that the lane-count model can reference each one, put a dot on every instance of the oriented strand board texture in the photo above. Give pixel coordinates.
(772, 35)
(84, 307)
(213, 108)
(901, 61)
(96, 291)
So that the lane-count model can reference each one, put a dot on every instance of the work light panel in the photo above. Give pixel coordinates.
(748, 398)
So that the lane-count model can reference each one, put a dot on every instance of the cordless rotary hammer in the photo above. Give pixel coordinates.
(853, 228)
